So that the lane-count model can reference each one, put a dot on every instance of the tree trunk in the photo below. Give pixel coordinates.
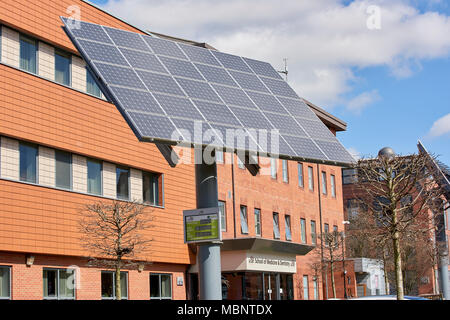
(398, 267)
(118, 289)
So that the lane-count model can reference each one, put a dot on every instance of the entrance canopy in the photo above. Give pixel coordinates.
(172, 93)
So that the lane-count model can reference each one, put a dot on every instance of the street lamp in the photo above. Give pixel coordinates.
(343, 260)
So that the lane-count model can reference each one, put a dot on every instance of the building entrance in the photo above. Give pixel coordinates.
(258, 286)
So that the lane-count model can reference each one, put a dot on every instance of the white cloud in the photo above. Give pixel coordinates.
(440, 127)
(358, 103)
(325, 41)
(354, 153)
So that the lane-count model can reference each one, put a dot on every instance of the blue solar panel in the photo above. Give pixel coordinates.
(102, 52)
(160, 83)
(197, 54)
(249, 81)
(192, 130)
(153, 126)
(215, 112)
(262, 68)
(216, 75)
(137, 100)
(141, 60)
(178, 107)
(119, 75)
(164, 47)
(234, 96)
(85, 30)
(266, 102)
(127, 39)
(232, 62)
(181, 68)
(285, 123)
(198, 90)
(298, 108)
(252, 118)
(279, 87)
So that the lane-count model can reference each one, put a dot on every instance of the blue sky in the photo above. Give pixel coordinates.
(391, 84)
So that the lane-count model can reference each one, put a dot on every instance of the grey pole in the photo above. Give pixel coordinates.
(208, 253)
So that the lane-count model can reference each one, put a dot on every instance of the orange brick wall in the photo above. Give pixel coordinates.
(27, 281)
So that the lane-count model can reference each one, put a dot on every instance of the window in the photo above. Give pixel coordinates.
(324, 182)
(287, 220)
(219, 156)
(59, 283)
(62, 67)
(5, 282)
(109, 285)
(313, 232)
(28, 162)
(303, 230)
(276, 225)
(122, 182)
(284, 166)
(258, 222)
(305, 288)
(326, 228)
(310, 178)
(91, 84)
(94, 182)
(349, 176)
(273, 167)
(28, 53)
(333, 186)
(316, 289)
(335, 229)
(300, 174)
(223, 216)
(150, 188)
(244, 220)
(63, 169)
(160, 286)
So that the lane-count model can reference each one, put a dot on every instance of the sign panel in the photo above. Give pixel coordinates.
(202, 225)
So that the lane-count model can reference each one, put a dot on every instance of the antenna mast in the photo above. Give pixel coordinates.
(285, 71)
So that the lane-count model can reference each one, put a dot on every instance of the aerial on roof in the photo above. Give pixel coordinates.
(171, 93)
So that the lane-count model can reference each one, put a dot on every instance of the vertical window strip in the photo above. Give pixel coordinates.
(300, 174)
(333, 186)
(288, 231)
(244, 220)
(28, 54)
(276, 225)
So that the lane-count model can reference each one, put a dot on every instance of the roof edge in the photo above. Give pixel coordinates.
(327, 118)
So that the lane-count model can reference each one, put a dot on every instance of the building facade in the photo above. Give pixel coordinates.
(62, 146)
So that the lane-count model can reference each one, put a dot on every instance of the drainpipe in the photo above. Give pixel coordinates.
(232, 190)
(321, 242)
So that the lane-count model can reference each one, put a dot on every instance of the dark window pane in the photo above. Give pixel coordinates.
(91, 85)
(107, 285)
(4, 282)
(28, 159)
(50, 283)
(63, 164)
(223, 216)
(151, 188)
(28, 49)
(276, 226)
(122, 176)
(94, 183)
(288, 227)
(62, 67)
(154, 286)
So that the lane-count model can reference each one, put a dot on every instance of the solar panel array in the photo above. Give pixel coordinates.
(167, 90)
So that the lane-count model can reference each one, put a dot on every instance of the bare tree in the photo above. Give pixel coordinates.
(401, 199)
(332, 243)
(112, 234)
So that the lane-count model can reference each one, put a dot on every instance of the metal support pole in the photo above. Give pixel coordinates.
(443, 276)
(208, 253)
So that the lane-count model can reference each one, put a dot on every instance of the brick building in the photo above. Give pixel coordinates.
(63, 146)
